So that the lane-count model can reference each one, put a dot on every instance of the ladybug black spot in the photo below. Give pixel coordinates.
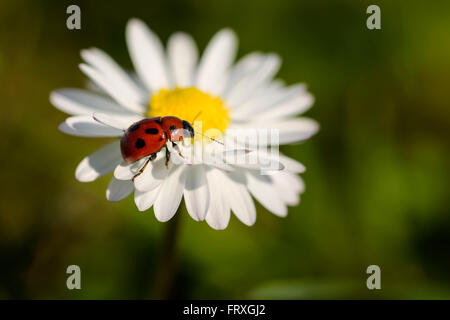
(172, 128)
(152, 131)
(140, 143)
(134, 127)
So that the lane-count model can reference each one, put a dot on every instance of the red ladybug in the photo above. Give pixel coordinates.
(148, 136)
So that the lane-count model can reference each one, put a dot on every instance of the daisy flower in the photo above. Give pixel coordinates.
(222, 95)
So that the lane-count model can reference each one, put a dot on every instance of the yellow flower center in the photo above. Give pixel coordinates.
(191, 104)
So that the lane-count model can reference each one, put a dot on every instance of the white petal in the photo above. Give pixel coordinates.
(262, 158)
(217, 162)
(218, 214)
(289, 197)
(86, 126)
(118, 189)
(247, 86)
(265, 192)
(216, 60)
(244, 67)
(294, 181)
(112, 71)
(119, 123)
(230, 155)
(257, 159)
(220, 85)
(99, 163)
(213, 156)
(91, 86)
(126, 171)
(145, 199)
(290, 130)
(170, 194)
(82, 102)
(289, 187)
(294, 130)
(153, 175)
(236, 194)
(269, 68)
(112, 89)
(138, 81)
(196, 192)
(267, 97)
(292, 165)
(147, 54)
(289, 108)
(183, 56)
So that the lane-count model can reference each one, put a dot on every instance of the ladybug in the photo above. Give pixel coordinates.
(148, 136)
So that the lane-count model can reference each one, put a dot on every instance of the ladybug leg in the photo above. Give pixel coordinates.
(177, 148)
(167, 157)
(141, 170)
(151, 158)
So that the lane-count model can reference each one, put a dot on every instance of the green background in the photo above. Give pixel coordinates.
(377, 175)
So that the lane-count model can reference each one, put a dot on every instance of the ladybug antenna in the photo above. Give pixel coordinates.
(197, 115)
(209, 138)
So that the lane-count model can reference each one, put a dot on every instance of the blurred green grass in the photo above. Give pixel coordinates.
(378, 171)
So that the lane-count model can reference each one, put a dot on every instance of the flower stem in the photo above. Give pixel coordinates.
(165, 274)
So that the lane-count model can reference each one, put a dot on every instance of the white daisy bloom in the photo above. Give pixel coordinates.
(223, 95)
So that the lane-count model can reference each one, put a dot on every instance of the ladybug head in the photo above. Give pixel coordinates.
(188, 129)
